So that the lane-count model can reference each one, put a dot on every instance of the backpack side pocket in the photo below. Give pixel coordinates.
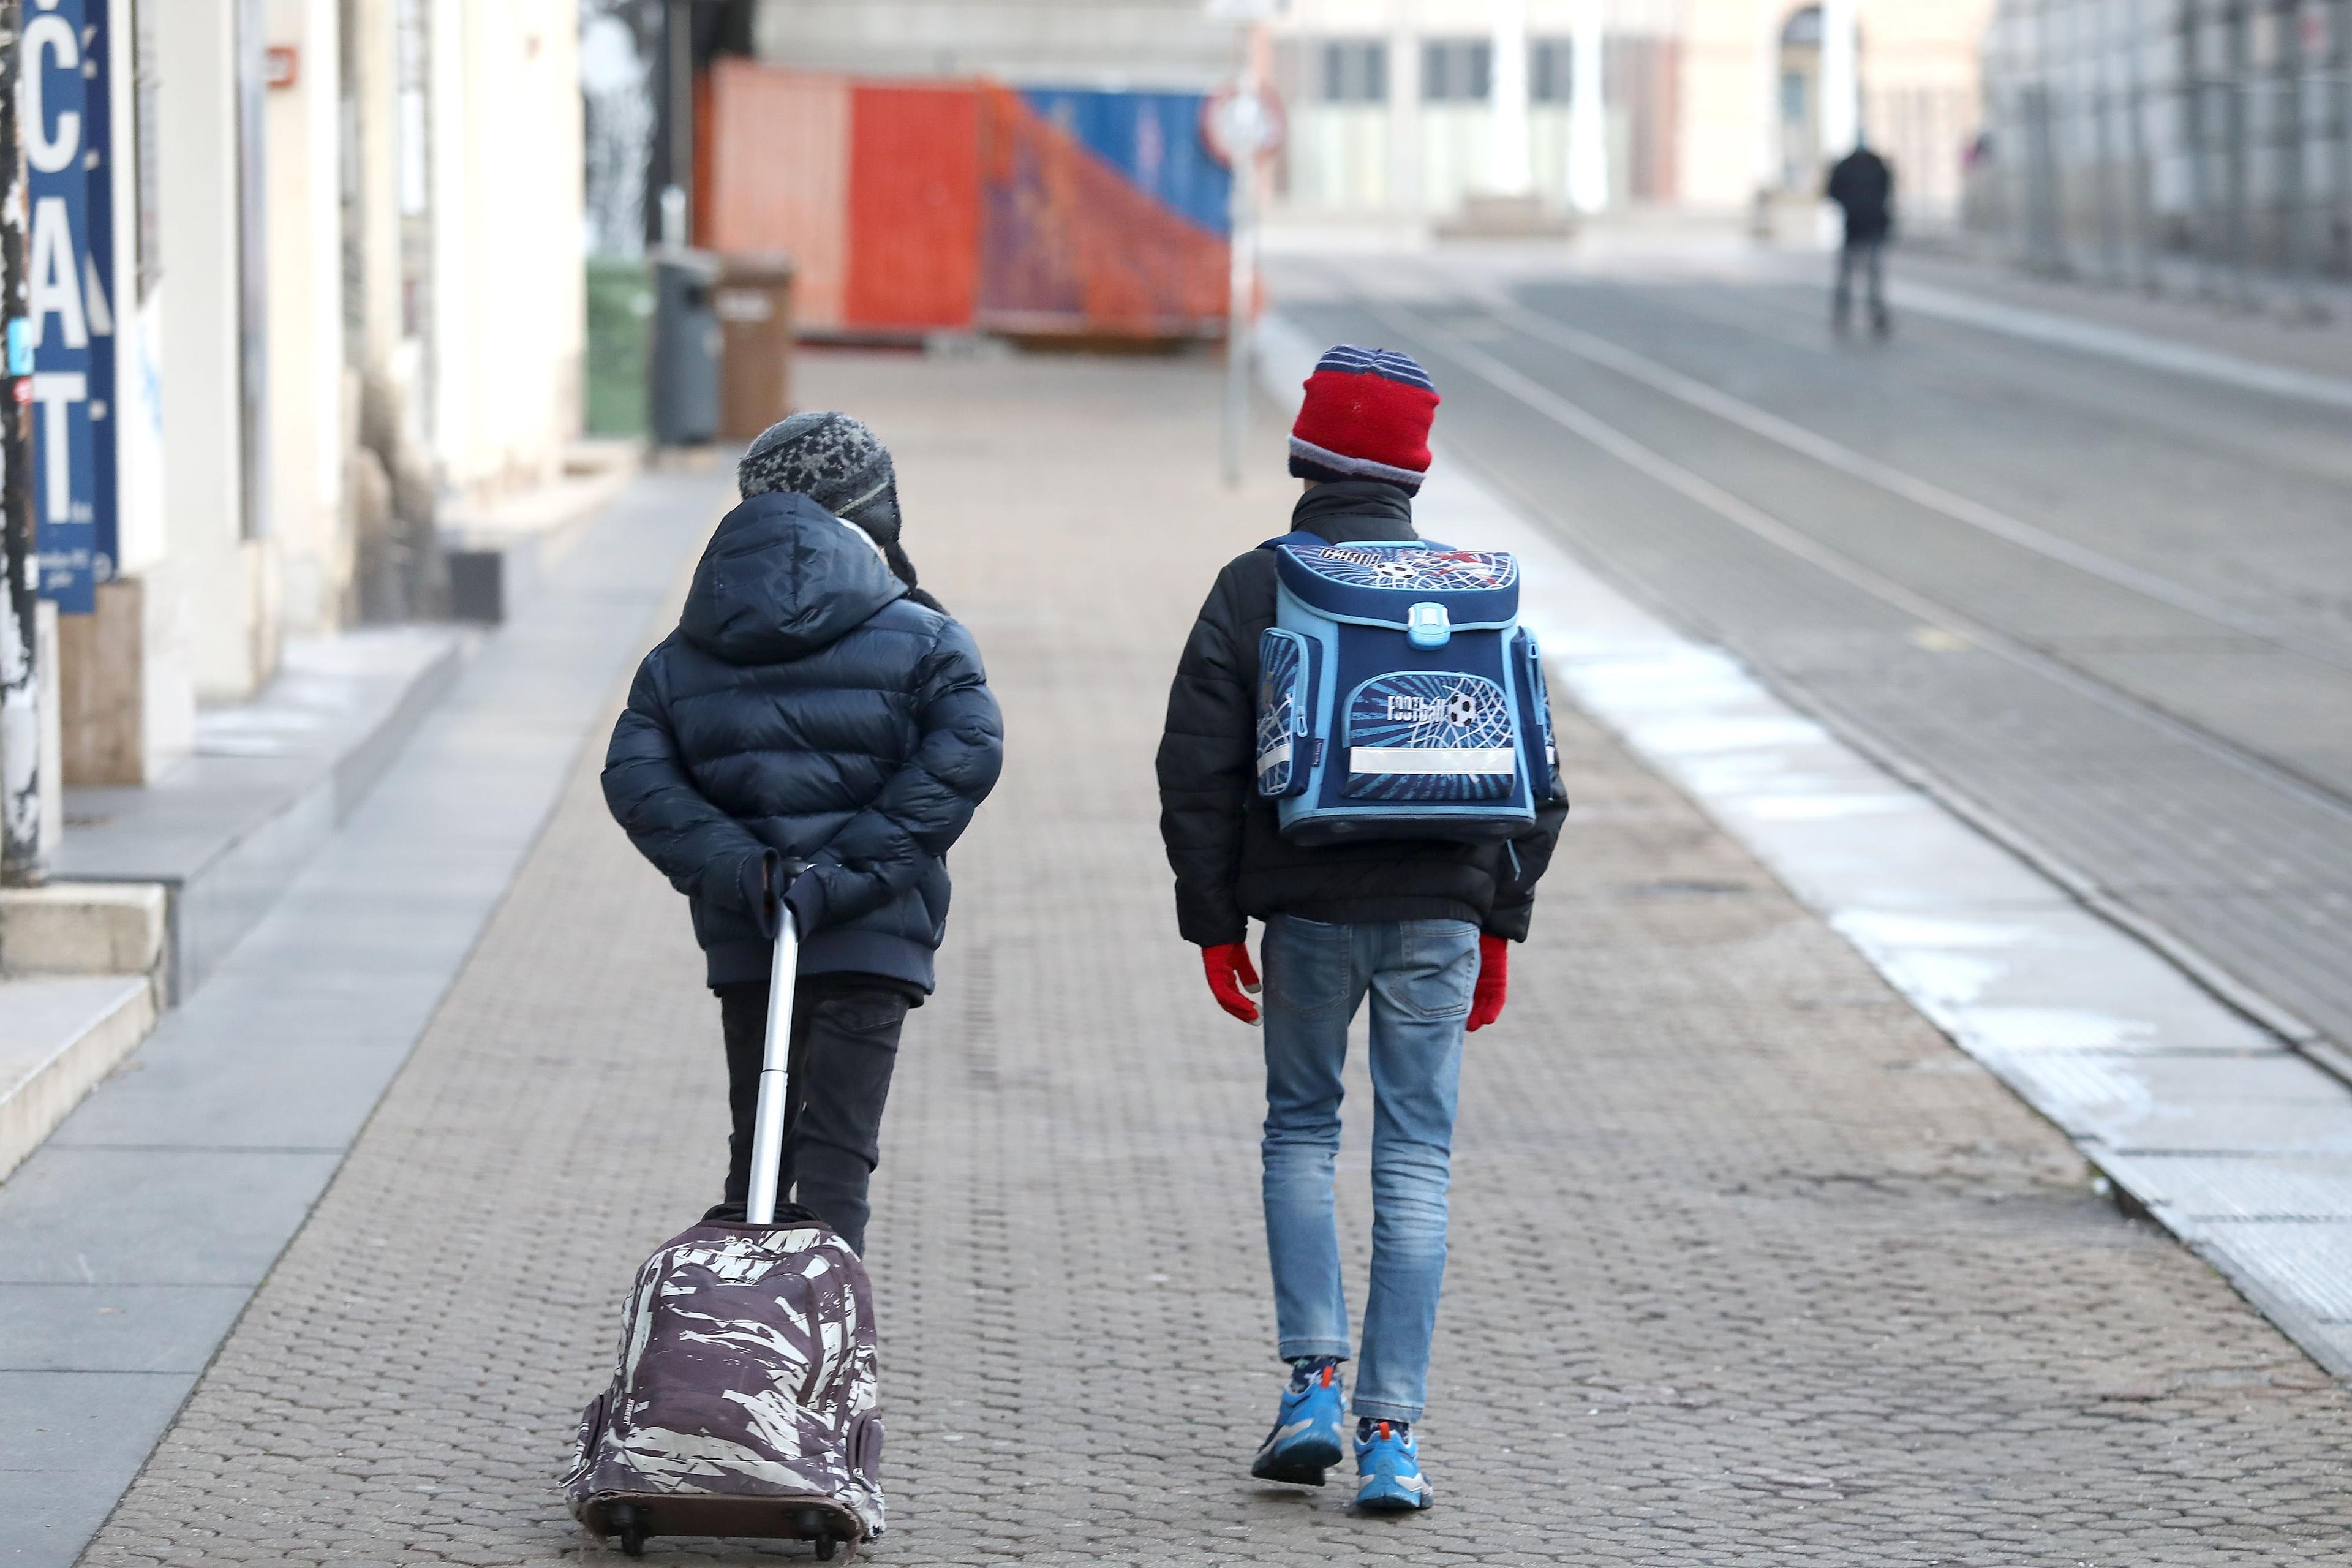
(1543, 776)
(1286, 712)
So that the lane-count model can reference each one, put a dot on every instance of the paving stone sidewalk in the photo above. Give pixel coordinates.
(1750, 1265)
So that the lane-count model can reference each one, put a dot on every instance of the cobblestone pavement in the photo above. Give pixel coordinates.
(1749, 1267)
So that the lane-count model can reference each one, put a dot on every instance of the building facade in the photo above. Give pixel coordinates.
(1396, 106)
(1402, 111)
(1172, 44)
(2122, 134)
(308, 275)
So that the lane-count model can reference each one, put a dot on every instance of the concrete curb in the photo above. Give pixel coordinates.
(60, 1036)
(227, 830)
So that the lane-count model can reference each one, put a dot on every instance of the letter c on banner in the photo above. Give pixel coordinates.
(50, 154)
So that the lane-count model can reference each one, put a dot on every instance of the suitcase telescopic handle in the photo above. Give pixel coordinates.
(767, 1130)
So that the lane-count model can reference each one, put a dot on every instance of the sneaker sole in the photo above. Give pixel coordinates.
(1300, 1465)
(1393, 1503)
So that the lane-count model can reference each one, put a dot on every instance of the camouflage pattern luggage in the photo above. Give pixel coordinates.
(744, 1400)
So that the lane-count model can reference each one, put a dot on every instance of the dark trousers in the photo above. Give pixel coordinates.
(1869, 257)
(845, 1041)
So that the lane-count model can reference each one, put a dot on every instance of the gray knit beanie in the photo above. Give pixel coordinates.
(842, 466)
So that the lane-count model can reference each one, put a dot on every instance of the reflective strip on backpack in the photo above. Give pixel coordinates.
(1273, 757)
(1433, 760)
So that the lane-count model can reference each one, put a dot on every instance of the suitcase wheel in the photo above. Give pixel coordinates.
(814, 1526)
(625, 1521)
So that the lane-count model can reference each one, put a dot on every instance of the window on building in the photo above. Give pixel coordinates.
(1457, 70)
(1355, 70)
(1794, 109)
(1550, 61)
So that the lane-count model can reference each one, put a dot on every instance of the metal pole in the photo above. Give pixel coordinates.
(2102, 107)
(1841, 107)
(2339, 52)
(2295, 249)
(2199, 130)
(1240, 278)
(1772, 156)
(2136, 89)
(1588, 151)
(1508, 169)
(2044, 207)
(20, 684)
(768, 1119)
(2013, 161)
(681, 118)
(2240, 200)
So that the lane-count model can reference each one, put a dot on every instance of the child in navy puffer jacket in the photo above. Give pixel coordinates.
(814, 705)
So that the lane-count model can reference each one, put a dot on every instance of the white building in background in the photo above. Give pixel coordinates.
(1699, 105)
(1702, 105)
(2122, 132)
(344, 294)
(1166, 44)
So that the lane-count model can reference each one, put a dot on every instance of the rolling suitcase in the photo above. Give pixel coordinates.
(742, 1400)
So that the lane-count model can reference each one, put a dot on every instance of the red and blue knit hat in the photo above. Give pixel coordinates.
(1366, 417)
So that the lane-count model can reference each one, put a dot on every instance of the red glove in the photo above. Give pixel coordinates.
(1494, 979)
(1230, 974)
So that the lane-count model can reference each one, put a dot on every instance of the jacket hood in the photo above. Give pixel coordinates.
(782, 578)
(1348, 512)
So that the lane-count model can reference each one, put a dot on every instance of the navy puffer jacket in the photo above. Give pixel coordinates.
(806, 709)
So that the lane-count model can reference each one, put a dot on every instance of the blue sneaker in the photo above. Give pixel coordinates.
(1305, 1441)
(1389, 1462)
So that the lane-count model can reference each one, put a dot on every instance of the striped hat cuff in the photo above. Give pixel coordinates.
(1339, 465)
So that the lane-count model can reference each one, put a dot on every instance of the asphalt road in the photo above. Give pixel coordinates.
(2105, 609)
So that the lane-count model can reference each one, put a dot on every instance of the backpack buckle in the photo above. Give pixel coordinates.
(1426, 625)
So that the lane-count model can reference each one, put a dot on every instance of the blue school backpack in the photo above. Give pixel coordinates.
(1398, 697)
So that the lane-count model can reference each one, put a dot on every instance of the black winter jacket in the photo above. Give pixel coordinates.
(1230, 859)
(1864, 187)
(805, 707)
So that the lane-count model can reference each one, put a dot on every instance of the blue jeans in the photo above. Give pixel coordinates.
(1419, 974)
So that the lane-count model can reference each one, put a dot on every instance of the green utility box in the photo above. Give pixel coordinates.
(620, 328)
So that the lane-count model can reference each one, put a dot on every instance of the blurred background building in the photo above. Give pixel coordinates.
(2133, 139)
(1398, 114)
(304, 280)
(1705, 106)
(1111, 44)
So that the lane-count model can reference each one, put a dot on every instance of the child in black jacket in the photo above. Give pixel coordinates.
(1420, 927)
(814, 705)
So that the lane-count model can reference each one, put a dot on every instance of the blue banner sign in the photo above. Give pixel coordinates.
(67, 261)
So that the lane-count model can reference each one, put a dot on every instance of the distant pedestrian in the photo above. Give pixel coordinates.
(1419, 924)
(814, 705)
(1862, 184)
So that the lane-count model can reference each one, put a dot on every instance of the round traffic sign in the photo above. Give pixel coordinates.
(1236, 125)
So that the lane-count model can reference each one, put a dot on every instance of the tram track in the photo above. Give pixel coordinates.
(2277, 829)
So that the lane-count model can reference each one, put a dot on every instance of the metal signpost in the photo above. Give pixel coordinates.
(20, 716)
(1242, 123)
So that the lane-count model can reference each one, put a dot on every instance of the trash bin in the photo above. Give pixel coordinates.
(682, 382)
(620, 318)
(753, 303)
